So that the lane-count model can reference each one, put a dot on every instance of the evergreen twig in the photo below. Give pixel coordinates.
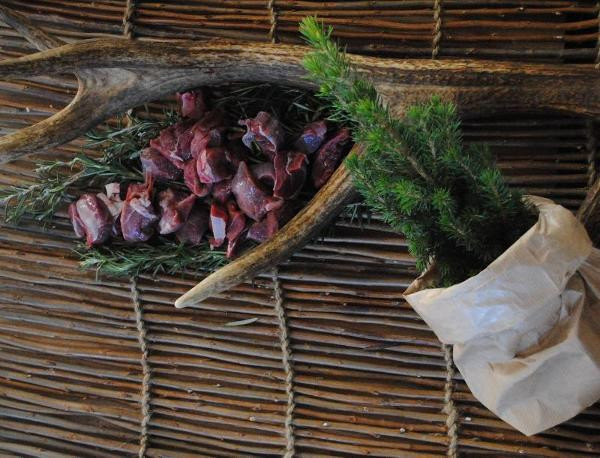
(450, 201)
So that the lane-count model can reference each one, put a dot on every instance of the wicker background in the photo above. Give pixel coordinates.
(370, 377)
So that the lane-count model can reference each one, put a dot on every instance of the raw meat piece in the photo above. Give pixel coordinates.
(311, 137)
(265, 173)
(196, 225)
(264, 130)
(212, 165)
(191, 104)
(290, 174)
(266, 228)
(233, 246)
(190, 177)
(91, 218)
(174, 210)
(155, 164)
(112, 200)
(218, 224)
(208, 132)
(251, 195)
(221, 191)
(235, 228)
(174, 143)
(237, 221)
(138, 216)
(329, 157)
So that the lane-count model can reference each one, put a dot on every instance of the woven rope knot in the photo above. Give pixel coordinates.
(286, 358)
(449, 408)
(437, 28)
(146, 371)
(128, 19)
(273, 29)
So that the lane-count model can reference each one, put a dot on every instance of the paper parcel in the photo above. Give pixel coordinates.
(526, 330)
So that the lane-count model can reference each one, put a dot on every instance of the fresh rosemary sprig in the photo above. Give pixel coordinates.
(125, 140)
(164, 257)
(450, 201)
(295, 107)
(57, 180)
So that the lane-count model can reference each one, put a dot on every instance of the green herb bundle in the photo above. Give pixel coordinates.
(450, 201)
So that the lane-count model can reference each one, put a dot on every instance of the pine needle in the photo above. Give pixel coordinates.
(451, 202)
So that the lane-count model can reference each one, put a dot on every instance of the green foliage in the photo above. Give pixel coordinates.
(164, 257)
(59, 181)
(450, 201)
(295, 107)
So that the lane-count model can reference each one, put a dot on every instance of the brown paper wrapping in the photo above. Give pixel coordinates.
(526, 330)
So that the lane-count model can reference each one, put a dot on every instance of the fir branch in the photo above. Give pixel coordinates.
(451, 202)
(165, 257)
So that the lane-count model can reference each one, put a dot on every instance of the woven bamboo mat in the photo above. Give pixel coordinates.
(336, 364)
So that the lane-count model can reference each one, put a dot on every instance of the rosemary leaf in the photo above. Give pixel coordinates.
(166, 257)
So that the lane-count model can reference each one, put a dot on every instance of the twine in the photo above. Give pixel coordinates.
(273, 29)
(128, 19)
(286, 359)
(449, 407)
(146, 371)
(437, 28)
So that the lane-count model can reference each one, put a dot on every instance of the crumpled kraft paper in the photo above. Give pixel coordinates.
(526, 330)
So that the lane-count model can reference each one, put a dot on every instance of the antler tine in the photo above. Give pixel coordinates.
(323, 207)
(32, 34)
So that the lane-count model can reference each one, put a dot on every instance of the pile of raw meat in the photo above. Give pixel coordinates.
(230, 195)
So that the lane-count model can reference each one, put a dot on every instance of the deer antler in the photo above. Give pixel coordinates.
(115, 75)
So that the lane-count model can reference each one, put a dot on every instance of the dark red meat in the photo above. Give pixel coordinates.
(221, 191)
(196, 225)
(265, 173)
(190, 177)
(235, 228)
(155, 164)
(290, 174)
(191, 104)
(237, 221)
(112, 200)
(138, 216)
(265, 131)
(311, 137)
(251, 195)
(236, 152)
(264, 229)
(212, 165)
(206, 139)
(91, 218)
(233, 247)
(329, 157)
(174, 210)
(207, 132)
(174, 143)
